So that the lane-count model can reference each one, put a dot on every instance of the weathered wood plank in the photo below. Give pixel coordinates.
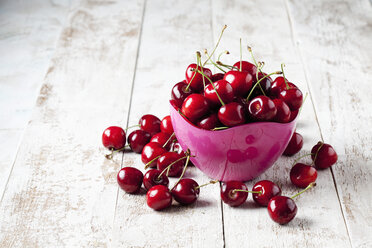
(319, 222)
(170, 37)
(62, 191)
(335, 40)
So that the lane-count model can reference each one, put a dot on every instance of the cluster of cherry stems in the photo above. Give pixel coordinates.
(242, 94)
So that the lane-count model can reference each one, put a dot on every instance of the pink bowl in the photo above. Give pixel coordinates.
(238, 153)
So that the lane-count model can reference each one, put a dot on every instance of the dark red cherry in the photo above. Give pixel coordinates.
(161, 138)
(265, 85)
(197, 81)
(168, 158)
(295, 144)
(130, 179)
(302, 175)
(277, 86)
(186, 191)
(150, 152)
(283, 113)
(293, 115)
(231, 197)
(209, 122)
(174, 104)
(292, 97)
(282, 209)
(152, 178)
(217, 76)
(246, 66)
(194, 107)
(179, 93)
(224, 90)
(232, 114)
(150, 124)
(159, 197)
(262, 108)
(166, 125)
(326, 156)
(241, 81)
(113, 138)
(268, 190)
(138, 139)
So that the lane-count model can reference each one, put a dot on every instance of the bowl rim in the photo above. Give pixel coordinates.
(235, 127)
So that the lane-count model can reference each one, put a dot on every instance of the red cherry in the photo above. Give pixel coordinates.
(224, 90)
(232, 114)
(113, 138)
(161, 138)
(295, 144)
(159, 197)
(130, 179)
(179, 93)
(292, 97)
(209, 122)
(197, 81)
(150, 124)
(241, 81)
(216, 77)
(326, 155)
(246, 66)
(231, 197)
(262, 108)
(186, 191)
(302, 175)
(276, 86)
(168, 158)
(138, 139)
(293, 115)
(283, 113)
(166, 125)
(268, 190)
(265, 85)
(150, 152)
(282, 209)
(152, 178)
(194, 107)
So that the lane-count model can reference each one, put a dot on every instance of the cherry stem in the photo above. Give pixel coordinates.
(298, 159)
(254, 86)
(285, 80)
(110, 155)
(188, 86)
(138, 125)
(219, 128)
(214, 87)
(224, 52)
(201, 66)
(302, 191)
(214, 63)
(254, 60)
(170, 165)
(316, 154)
(260, 66)
(299, 111)
(242, 190)
(227, 66)
(203, 185)
(184, 169)
(218, 42)
(169, 139)
(240, 40)
(148, 164)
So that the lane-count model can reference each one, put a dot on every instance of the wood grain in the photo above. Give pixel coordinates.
(62, 191)
(168, 44)
(319, 212)
(336, 48)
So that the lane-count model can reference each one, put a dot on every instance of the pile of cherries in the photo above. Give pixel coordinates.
(240, 95)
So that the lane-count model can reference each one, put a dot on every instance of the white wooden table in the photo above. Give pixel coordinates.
(69, 69)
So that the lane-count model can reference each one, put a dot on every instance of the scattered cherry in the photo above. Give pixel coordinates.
(138, 139)
(268, 190)
(152, 178)
(151, 152)
(166, 125)
(295, 144)
(302, 175)
(130, 179)
(114, 138)
(186, 191)
(230, 194)
(162, 139)
(150, 124)
(323, 155)
(158, 197)
(282, 209)
(168, 158)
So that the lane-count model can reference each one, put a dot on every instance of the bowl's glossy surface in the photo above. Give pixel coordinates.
(238, 153)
